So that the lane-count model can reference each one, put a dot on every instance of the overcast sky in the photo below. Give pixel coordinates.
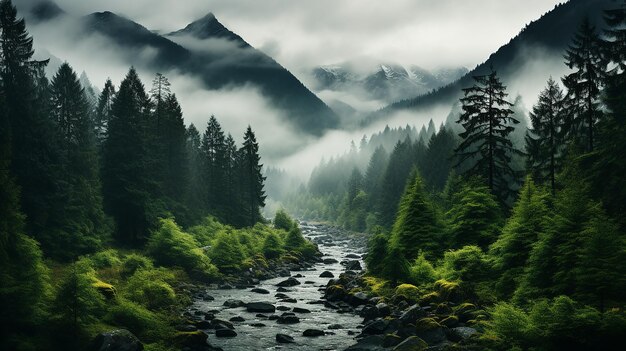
(304, 33)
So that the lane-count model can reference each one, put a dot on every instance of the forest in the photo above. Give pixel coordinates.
(522, 226)
(117, 215)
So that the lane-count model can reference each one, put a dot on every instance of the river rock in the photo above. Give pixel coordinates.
(260, 291)
(192, 340)
(327, 274)
(461, 333)
(291, 281)
(301, 310)
(281, 296)
(383, 309)
(284, 339)
(369, 312)
(329, 261)
(116, 340)
(237, 319)
(412, 314)
(261, 307)
(205, 324)
(282, 308)
(257, 325)
(353, 265)
(412, 343)
(221, 324)
(352, 256)
(359, 298)
(288, 320)
(376, 327)
(231, 303)
(207, 297)
(313, 332)
(186, 328)
(281, 289)
(225, 333)
(368, 343)
(289, 300)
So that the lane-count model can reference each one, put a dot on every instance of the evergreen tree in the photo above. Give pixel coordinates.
(544, 141)
(474, 218)
(127, 182)
(438, 160)
(252, 180)
(376, 253)
(396, 267)
(417, 226)
(195, 190)
(173, 141)
(372, 182)
(521, 231)
(81, 223)
(355, 184)
(585, 57)
(214, 178)
(486, 146)
(104, 111)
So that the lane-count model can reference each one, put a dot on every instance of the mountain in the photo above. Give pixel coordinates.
(548, 36)
(220, 58)
(384, 81)
(45, 11)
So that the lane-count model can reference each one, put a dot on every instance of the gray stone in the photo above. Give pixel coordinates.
(284, 339)
(376, 327)
(262, 307)
(313, 332)
(234, 303)
(260, 291)
(412, 343)
(412, 314)
(461, 333)
(327, 274)
(291, 281)
(225, 333)
(116, 340)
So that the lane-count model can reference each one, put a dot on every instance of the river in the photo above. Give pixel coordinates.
(258, 331)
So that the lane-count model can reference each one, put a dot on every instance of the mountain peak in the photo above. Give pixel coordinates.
(46, 10)
(208, 27)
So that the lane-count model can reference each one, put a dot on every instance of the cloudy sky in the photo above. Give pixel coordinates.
(304, 33)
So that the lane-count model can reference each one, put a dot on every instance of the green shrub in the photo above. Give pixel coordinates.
(206, 231)
(105, 259)
(283, 221)
(422, 271)
(468, 264)
(227, 253)
(137, 319)
(294, 239)
(170, 246)
(408, 291)
(150, 288)
(272, 246)
(134, 262)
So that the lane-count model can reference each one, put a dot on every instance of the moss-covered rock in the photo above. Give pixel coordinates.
(106, 289)
(407, 291)
(450, 321)
(192, 339)
(336, 293)
(448, 291)
(390, 340)
(412, 343)
(465, 311)
(426, 324)
(443, 309)
(429, 298)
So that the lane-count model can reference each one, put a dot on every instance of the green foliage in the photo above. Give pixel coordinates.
(170, 246)
(272, 246)
(227, 253)
(474, 218)
(294, 239)
(283, 221)
(512, 249)
(150, 288)
(134, 262)
(468, 264)
(417, 225)
(105, 259)
(376, 253)
(138, 320)
(396, 268)
(422, 271)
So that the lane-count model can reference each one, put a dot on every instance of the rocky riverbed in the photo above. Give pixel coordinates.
(286, 312)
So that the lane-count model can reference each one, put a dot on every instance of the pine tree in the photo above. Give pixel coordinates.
(486, 146)
(521, 231)
(213, 153)
(127, 184)
(396, 267)
(82, 226)
(372, 182)
(173, 143)
(252, 180)
(585, 57)
(104, 111)
(438, 160)
(355, 184)
(231, 187)
(195, 190)
(544, 141)
(417, 226)
(376, 253)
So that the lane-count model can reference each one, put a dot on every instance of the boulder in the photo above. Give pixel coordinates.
(288, 320)
(191, 340)
(412, 314)
(359, 298)
(231, 303)
(369, 312)
(376, 327)
(368, 343)
(412, 343)
(330, 261)
(221, 324)
(391, 340)
(383, 309)
(260, 291)
(117, 340)
(281, 289)
(353, 256)
(237, 319)
(335, 326)
(225, 333)
(461, 333)
(353, 265)
(283, 308)
(313, 332)
(327, 274)
(291, 281)
(284, 339)
(187, 327)
(301, 310)
(261, 307)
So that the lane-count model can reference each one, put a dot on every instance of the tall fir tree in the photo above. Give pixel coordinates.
(231, 185)
(252, 179)
(194, 193)
(373, 179)
(213, 145)
(127, 184)
(104, 111)
(438, 160)
(173, 140)
(584, 56)
(544, 142)
(486, 146)
(82, 225)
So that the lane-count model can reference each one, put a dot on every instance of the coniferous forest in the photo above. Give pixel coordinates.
(125, 227)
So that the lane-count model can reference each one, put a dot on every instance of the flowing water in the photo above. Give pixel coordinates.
(259, 333)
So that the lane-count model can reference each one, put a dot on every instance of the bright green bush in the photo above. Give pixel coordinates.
(170, 246)
(283, 221)
(105, 259)
(206, 231)
(137, 319)
(227, 253)
(422, 271)
(272, 246)
(134, 262)
(468, 264)
(150, 288)
(294, 239)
